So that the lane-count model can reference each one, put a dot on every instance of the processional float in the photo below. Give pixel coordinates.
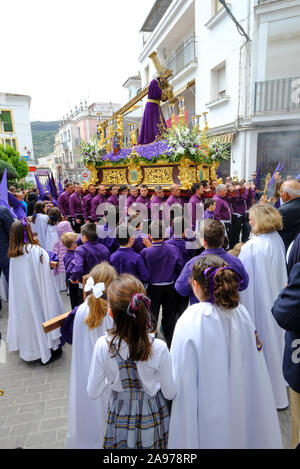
(111, 162)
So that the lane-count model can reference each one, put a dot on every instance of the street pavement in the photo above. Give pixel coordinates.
(34, 406)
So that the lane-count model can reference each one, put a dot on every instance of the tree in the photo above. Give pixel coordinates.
(11, 172)
(11, 156)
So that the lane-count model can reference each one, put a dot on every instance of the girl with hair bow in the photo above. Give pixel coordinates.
(83, 327)
(33, 298)
(54, 217)
(224, 395)
(136, 368)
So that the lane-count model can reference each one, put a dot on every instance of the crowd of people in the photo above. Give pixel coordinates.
(214, 262)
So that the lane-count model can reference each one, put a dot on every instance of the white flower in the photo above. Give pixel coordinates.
(193, 150)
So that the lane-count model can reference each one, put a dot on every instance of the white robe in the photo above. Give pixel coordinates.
(51, 237)
(224, 397)
(40, 227)
(264, 260)
(87, 418)
(33, 299)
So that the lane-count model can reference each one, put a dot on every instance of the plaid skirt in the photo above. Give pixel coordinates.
(137, 420)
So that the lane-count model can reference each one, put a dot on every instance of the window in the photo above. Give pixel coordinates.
(69, 135)
(12, 142)
(71, 157)
(7, 121)
(218, 82)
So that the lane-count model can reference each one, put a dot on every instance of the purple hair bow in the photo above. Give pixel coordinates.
(133, 306)
(209, 274)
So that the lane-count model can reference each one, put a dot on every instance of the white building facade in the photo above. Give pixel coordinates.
(15, 128)
(245, 74)
(79, 125)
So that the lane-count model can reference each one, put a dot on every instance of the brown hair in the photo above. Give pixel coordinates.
(226, 282)
(133, 330)
(38, 208)
(68, 239)
(54, 216)
(213, 232)
(266, 218)
(236, 251)
(98, 306)
(89, 230)
(16, 239)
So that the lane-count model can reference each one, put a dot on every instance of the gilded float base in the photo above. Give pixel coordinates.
(185, 173)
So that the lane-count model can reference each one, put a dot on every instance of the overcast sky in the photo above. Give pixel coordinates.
(61, 51)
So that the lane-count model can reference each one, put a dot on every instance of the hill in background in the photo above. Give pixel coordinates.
(43, 137)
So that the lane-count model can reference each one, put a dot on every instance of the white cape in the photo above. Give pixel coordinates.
(33, 299)
(264, 260)
(51, 237)
(40, 227)
(87, 417)
(224, 397)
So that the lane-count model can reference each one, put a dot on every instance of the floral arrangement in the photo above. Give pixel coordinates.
(177, 142)
(183, 142)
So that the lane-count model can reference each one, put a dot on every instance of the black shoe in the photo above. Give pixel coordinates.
(55, 354)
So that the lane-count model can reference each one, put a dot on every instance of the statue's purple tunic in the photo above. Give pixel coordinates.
(153, 118)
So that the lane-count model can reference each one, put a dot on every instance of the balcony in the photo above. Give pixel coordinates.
(183, 57)
(264, 2)
(277, 96)
(157, 12)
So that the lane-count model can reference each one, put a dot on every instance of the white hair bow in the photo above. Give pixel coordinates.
(98, 289)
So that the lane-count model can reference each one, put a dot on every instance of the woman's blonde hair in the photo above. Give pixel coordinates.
(98, 306)
(266, 219)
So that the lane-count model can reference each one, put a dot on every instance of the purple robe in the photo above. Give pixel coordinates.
(127, 261)
(193, 202)
(182, 285)
(86, 257)
(222, 210)
(138, 244)
(146, 202)
(68, 262)
(131, 201)
(208, 214)
(64, 204)
(75, 204)
(181, 244)
(238, 203)
(163, 261)
(113, 199)
(174, 200)
(97, 200)
(86, 205)
(143, 200)
(153, 120)
(156, 201)
(107, 237)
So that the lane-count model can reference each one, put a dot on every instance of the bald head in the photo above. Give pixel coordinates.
(175, 190)
(290, 190)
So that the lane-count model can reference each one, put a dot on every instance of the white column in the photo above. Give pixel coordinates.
(262, 52)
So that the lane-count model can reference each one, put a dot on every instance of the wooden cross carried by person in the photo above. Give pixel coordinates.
(57, 322)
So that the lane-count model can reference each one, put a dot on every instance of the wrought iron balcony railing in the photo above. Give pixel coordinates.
(277, 95)
(185, 55)
(264, 2)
